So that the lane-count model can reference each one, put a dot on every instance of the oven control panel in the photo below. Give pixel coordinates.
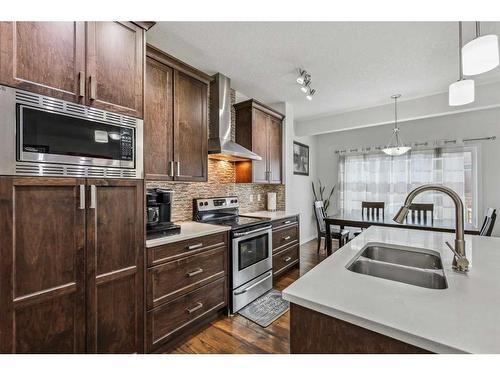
(207, 204)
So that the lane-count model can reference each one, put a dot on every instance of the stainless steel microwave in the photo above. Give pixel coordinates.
(44, 136)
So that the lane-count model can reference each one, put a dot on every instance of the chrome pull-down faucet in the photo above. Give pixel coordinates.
(460, 261)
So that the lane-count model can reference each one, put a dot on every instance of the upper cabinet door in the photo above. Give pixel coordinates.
(42, 244)
(274, 150)
(158, 121)
(115, 266)
(260, 140)
(190, 128)
(47, 58)
(115, 67)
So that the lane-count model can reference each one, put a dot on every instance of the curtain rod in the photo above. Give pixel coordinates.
(418, 144)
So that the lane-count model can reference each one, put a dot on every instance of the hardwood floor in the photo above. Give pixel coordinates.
(238, 335)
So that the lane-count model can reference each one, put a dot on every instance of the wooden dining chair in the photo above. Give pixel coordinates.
(373, 209)
(489, 222)
(341, 235)
(419, 213)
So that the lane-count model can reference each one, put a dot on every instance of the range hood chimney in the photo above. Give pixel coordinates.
(220, 145)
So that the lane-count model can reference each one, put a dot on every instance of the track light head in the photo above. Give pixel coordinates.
(301, 77)
(309, 96)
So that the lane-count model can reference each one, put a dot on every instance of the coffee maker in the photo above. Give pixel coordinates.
(158, 212)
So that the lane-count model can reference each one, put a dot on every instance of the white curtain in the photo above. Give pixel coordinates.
(389, 179)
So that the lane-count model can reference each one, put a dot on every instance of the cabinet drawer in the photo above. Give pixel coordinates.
(167, 319)
(172, 279)
(285, 259)
(285, 236)
(175, 250)
(285, 221)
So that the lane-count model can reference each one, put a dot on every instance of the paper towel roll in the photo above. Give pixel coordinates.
(271, 201)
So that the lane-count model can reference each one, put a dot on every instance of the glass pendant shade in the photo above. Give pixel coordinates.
(480, 55)
(461, 92)
(396, 151)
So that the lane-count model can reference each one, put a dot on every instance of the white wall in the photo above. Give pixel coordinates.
(298, 192)
(458, 126)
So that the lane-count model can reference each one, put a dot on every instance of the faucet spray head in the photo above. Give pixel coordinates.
(401, 215)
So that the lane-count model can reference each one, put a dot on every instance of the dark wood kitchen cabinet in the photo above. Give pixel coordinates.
(114, 270)
(44, 57)
(115, 67)
(42, 271)
(71, 265)
(175, 119)
(259, 128)
(100, 64)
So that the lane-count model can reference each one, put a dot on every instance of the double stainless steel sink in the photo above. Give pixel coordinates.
(419, 267)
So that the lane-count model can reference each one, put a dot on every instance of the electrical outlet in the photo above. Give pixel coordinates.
(251, 198)
(258, 197)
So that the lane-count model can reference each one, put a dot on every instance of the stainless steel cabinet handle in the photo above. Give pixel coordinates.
(287, 222)
(93, 196)
(171, 163)
(287, 259)
(286, 238)
(93, 87)
(194, 273)
(193, 247)
(191, 310)
(82, 197)
(253, 285)
(178, 168)
(81, 84)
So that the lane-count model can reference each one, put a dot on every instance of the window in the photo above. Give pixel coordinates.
(389, 179)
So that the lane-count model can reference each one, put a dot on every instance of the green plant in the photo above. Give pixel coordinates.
(319, 197)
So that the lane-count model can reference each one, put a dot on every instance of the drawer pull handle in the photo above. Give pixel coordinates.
(195, 272)
(194, 247)
(287, 222)
(287, 259)
(286, 238)
(191, 310)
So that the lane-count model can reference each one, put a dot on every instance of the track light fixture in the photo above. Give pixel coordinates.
(304, 80)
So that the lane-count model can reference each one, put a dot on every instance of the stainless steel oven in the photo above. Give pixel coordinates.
(252, 262)
(51, 137)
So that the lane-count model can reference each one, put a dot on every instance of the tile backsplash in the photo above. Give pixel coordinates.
(221, 182)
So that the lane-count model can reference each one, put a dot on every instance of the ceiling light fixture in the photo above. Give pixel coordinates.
(396, 149)
(461, 92)
(302, 76)
(480, 55)
(309, 96)
(304, 80)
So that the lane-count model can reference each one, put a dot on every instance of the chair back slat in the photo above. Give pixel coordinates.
(373, 209)
(488, 223)
(319, 212)
(419, 212)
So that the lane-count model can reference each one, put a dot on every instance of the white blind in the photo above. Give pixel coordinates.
(389, 179)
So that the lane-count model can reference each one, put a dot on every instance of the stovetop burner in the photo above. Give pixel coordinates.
(223, 211)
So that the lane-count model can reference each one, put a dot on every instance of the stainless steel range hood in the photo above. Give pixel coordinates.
(220, 145)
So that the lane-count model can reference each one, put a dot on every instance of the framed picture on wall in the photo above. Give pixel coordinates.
(300, 159)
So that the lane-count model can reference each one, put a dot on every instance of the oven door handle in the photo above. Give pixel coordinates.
(254, 285)
(237, 235)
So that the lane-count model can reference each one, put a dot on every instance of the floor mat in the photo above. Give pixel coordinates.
(266, 309)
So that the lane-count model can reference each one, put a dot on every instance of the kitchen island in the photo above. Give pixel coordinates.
(373, 314)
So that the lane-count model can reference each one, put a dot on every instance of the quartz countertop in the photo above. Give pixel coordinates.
(464, 318)
(189, 229)
(273, 215)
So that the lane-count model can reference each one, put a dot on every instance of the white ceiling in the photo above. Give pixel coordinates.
(353, 64)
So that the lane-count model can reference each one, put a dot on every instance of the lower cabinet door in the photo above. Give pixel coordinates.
(168, 319)
(42, 243)
(115, 266)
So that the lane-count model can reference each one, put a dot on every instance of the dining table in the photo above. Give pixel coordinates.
(359, 220)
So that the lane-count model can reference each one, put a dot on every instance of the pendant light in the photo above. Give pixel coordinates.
(461, 92)
(395, 149)
(480, 55)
